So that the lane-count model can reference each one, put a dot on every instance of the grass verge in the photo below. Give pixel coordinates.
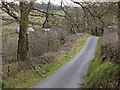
(101, 75)
(28, 78)
(94, 63)
(105, 76)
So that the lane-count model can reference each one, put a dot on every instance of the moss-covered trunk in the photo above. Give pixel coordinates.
(119, 33)
(22, 42)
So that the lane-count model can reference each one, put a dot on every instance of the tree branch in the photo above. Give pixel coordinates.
(47, 15)
(52, 14)
(11, 5)
(99, 17)
(35, 15)
(107, 10)
(8, 11)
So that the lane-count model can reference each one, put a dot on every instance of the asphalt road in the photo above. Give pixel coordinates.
(73, 72)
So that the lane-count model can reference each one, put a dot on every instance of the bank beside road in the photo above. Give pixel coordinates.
(103, 69)
(30, 77)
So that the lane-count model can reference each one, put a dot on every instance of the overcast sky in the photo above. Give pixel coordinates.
(57, 1)
(52, 1)
(67, 2)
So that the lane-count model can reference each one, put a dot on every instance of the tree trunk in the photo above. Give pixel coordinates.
(119, 40)
(92, 31)
(22, 42)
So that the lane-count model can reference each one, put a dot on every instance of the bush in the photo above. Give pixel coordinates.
(109, 46)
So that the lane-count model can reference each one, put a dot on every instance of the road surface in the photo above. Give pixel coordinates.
(73, 72)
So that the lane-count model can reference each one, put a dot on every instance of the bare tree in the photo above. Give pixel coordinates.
(22, 17)
(90, 16)
(25, 8)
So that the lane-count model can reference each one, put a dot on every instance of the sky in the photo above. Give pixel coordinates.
(39, 1)
(67, 2)
(53, 1)
(57, 1)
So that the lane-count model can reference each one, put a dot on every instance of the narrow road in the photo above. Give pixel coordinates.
(72, 73)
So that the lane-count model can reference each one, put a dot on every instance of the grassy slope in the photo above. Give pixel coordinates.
(103, 75)
(94, 63)
(28, 78)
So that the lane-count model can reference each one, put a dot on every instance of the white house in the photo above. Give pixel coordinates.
(46, 29)
(29, 30)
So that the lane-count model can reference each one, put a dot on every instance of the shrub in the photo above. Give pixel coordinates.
(109, 46)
